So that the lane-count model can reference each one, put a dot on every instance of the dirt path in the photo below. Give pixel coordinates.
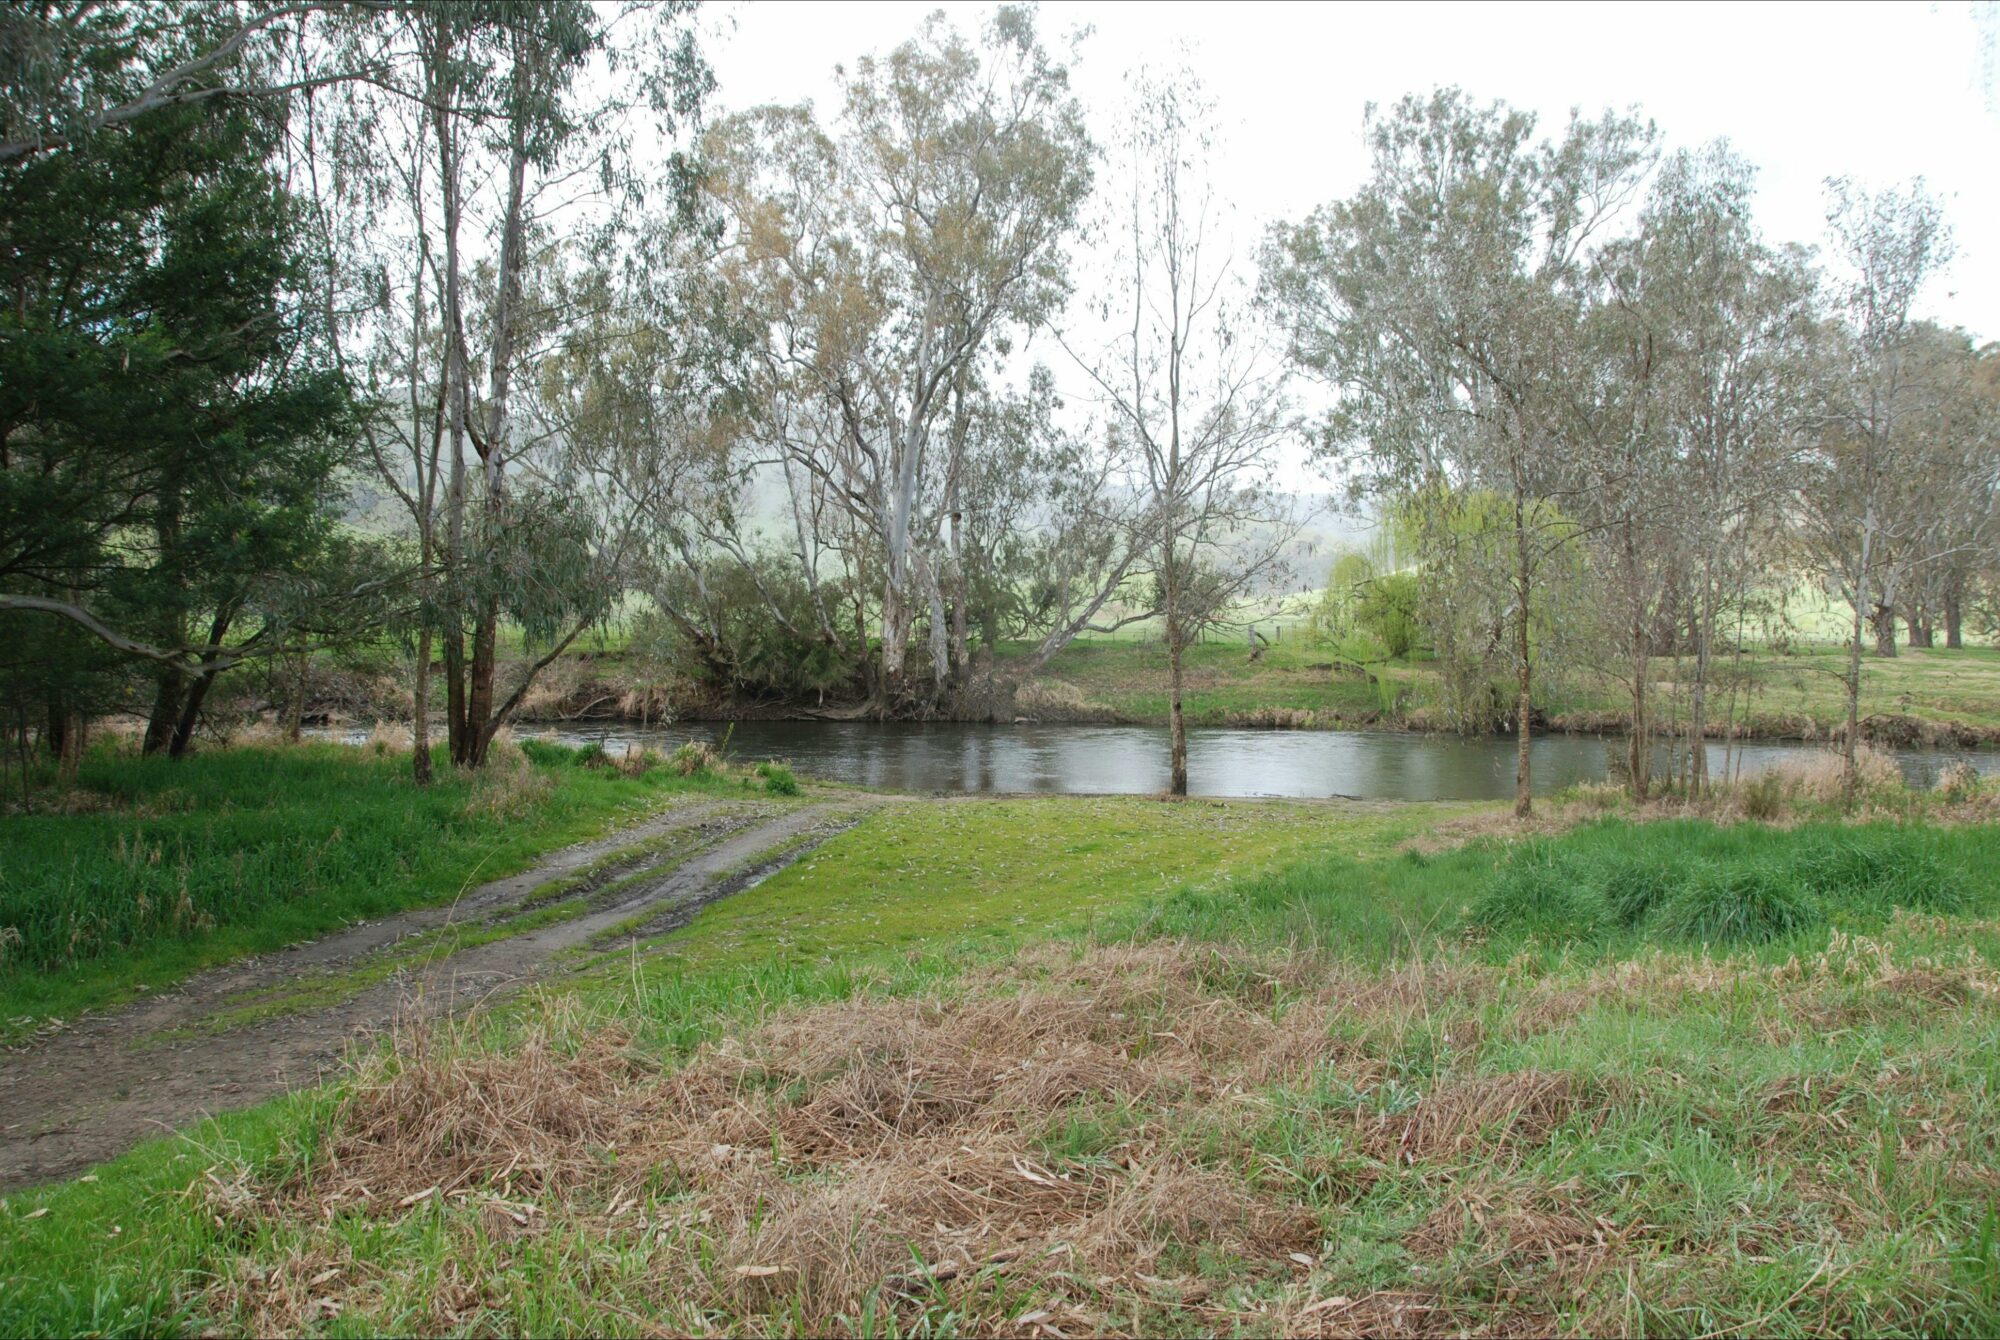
(237, 1035)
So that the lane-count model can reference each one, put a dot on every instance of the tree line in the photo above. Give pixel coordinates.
(380, 322)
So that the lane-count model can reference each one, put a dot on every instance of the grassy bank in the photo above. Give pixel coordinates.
(151, 869)
(1122, 1067)
(1797, 693)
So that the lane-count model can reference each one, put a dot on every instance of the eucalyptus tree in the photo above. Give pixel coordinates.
(73, 70)
(1945, 489)
(1967, 488)
(1444, 302)
(1860, 535)
(454, 188)
(1190, 395)
(886, 264)
(1692, 427)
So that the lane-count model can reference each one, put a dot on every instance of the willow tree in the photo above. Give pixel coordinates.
(1444, 301)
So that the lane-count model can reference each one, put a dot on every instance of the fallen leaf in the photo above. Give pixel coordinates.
(1302, 1259)
(415, 1196)
(760, 1272)
(36, 1214)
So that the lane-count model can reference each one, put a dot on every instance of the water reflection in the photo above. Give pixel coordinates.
(960, 757)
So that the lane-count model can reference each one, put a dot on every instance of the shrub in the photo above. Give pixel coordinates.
(1722, 904)
(694, 757)
(1957, 781)
(778, 779)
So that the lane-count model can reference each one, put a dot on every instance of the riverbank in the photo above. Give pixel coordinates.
(1006, 1066)
(1923, 698)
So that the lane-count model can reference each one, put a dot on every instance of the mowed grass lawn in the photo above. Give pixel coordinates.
(1133, 1067)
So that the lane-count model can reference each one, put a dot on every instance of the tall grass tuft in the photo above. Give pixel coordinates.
(1713, 885)
(1749, 904)
(1545, 891)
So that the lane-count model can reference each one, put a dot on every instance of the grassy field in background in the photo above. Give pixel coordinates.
(1224, 686)
(1128, 1067)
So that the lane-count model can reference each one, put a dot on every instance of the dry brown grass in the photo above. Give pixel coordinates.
(895, 1148)
(695, 756)
(1482, 1116)
(1056, 700)
(1818, 778)
(509, 786)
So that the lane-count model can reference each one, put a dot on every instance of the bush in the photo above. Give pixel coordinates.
(1957, 782)
(694, 757)
(778, 779)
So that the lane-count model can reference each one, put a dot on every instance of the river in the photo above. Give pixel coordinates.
(962, 757)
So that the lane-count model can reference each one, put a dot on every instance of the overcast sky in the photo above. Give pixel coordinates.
(1882, 92)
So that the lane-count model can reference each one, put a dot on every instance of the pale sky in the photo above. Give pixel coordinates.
(1882, 92)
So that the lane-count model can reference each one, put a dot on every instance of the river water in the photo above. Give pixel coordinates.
(962, 757)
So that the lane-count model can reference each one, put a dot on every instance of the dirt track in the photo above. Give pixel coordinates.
(237, 1035)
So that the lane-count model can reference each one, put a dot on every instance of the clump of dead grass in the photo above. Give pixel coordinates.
(1057, 700)
(889, 1152)
(437, 1115)
(695, 758)
(509, 786)
(1817, 778)
(1485, 1114)
(388, 737)
(1957, 782)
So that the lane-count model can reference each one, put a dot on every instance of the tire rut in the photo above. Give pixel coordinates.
(87, 1094)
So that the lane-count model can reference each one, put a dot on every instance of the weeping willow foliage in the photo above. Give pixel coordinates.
(1467, 595)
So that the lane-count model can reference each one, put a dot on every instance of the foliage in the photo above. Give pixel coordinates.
(778, 779)
(1465, 542)
(171, 426)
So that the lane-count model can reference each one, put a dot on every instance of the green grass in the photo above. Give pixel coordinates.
(183, 864)
(1000, 871)
(1771, 1123)
(1127, 679)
